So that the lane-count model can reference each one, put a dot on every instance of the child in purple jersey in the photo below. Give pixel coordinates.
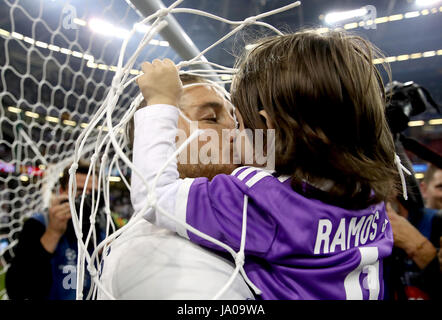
(316, 225)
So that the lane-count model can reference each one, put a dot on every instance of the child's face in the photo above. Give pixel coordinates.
(239, 119)
(252, 147)
(239, 141)
(243, 147)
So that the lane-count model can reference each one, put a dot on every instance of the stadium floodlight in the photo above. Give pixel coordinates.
(334, 17)
(142, 27)
(434, 122)
(426, 3)
(106, 28)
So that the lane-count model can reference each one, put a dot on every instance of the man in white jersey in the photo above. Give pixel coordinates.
(148, 262)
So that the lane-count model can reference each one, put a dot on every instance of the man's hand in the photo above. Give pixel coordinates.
(160, 83)
(403, 231)
(408, 238)
(59, 215)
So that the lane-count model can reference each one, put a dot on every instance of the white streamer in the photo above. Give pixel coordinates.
(401, 169)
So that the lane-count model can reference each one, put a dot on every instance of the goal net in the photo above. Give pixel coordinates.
(67, 92)
(57, 62)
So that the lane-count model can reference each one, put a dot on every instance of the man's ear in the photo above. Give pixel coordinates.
(266, 118)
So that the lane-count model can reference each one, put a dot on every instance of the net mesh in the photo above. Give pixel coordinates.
(54, 74)
(68, 94)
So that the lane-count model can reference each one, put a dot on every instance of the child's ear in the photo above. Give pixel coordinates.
(266, 119)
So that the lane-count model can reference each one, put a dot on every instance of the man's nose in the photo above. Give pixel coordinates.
(230, 122)
(231, 126)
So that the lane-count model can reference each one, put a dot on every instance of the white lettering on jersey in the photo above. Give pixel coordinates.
(323, 235)
(366, 229)
(374, 226)
(339, 238)
(354, 229)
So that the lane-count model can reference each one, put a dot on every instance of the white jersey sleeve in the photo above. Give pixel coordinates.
(154, 142)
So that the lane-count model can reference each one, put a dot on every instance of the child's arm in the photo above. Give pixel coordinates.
(155, 129)
(160, 83)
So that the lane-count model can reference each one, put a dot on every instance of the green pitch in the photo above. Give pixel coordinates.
(2, 282)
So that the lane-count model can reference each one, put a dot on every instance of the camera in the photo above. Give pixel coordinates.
(88, 205)
(405, 101)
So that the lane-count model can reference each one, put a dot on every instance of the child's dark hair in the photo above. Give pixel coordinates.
(327, 100)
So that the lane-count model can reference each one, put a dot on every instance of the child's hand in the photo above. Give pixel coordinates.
(160, 83)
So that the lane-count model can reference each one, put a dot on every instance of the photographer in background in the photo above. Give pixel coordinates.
(431, 187)
(44, 265)
(413, 271)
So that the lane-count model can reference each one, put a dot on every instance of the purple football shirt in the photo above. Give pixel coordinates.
(296, 247)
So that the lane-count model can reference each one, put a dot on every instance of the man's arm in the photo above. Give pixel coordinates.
(420, 250)
(409, 239)
(154, 141)
(59, 214)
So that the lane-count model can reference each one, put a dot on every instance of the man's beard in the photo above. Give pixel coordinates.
(204, 170)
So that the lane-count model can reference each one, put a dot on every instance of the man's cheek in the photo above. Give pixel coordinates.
(208, 149)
